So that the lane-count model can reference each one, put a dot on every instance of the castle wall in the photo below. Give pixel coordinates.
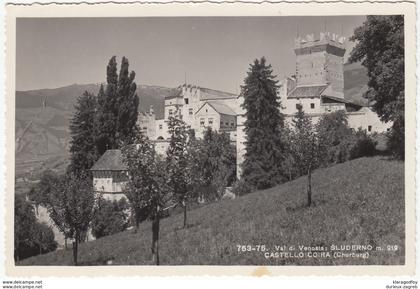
(108, 181)
(367, 120)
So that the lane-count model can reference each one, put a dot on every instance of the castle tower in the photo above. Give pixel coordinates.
(320, 61)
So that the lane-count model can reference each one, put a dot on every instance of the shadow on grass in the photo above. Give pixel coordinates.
(180, 228)
(304, 206)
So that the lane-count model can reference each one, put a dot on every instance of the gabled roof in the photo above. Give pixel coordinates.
(342, 100)
(219, 107)
(111, 160)
(307, 91)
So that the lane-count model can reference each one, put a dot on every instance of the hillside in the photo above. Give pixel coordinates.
(42, 133)
(358, 202)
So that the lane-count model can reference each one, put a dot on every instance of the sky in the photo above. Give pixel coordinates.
(213, 52)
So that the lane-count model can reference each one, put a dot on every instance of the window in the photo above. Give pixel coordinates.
(160, 126)
(298, 105)
(190, 111)
(210, 121)
(232, 124)
(186, 100)
(369, 128)
(144, 128)
(170, 112)
(202, 121)
(312, 105)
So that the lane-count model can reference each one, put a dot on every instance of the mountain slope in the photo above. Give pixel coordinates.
(359, 202)
(355, 83)
(42, 121)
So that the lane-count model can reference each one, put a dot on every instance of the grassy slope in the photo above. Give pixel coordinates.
(358, 202)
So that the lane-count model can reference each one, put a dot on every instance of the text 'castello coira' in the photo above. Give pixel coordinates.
(317, 85)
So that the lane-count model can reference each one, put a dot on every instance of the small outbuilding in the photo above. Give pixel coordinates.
(110, 175)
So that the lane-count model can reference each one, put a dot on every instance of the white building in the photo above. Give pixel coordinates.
(318, 86)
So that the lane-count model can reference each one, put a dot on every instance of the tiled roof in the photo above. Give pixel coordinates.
(307, 91)
(342, 100)
(219, 107)
(111, 160)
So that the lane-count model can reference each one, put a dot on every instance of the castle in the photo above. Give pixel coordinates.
(317, 85)
(198, 107)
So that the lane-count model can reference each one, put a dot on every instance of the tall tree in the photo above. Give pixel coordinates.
(305, 148)
(380, 47)
(177, 163)
(118, 108)
(71, 208)
(264, 149)
(82, 129)
(217, 163)
(146, 187)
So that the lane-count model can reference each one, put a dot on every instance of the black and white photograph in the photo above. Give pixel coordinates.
(275, 141)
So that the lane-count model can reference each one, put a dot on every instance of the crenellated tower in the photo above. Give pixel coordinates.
(319, 60)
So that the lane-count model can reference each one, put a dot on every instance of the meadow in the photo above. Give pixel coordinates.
(360, 202)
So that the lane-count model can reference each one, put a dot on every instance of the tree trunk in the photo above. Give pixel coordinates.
(155, 238)
(65, 243)
(309, 190)
(75, 247)
(184, 205)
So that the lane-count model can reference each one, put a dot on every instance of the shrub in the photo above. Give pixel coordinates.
(240, 188)
(363, 145)
(110, 217)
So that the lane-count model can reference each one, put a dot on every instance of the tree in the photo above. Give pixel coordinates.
(110, 217)
(264, 149)
(82, 129)
(71, 207)
(24, 221)
(41, 192)
(43, 238)
(117, 108)
(305, 147)
(380, 47)
(31, 237)
(146, 188)
(217, 163)
(177, 163)
(335, 136)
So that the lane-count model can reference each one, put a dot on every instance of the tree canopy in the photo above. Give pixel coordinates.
(117, 108)
(82, 129)
(380, 48)
(264, 149)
